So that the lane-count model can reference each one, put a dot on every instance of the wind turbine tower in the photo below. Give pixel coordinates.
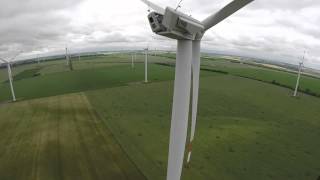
(146, 66)
(69, 63)
(67, 57)
(132, 61)
(8, 63)
(299, 75)
(171, 23)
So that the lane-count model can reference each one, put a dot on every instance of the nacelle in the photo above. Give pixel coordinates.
(175, 25)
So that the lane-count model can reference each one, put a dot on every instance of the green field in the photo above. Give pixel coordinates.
(238, 137)
(101, 122)
(59, 138)
(81, 80)
(308, 84)
(55, 79)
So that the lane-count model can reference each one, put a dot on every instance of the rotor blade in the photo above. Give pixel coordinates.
(225, 12)
(154, 6)
(195, 92)
(16, 55)
(180, 110)
(3, 60)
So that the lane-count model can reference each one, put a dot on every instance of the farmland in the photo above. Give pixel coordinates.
(101, 122)
(238, 137)
(264, 74)
(59, 138)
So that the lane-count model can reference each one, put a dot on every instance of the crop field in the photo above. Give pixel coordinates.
(101, 121)
(264, 74)
(54, 78)
(81, 80)
(59, 138)
(244, 129)
(57, 66)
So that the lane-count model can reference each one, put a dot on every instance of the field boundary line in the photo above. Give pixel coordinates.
(96, 113)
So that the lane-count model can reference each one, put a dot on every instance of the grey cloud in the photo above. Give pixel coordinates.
(31, 24)
(12, 8)
(32, 28)
(290, 5)
(108, 38)
(300, 26)
(48, 25)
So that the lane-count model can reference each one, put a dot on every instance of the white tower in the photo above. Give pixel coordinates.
(132, 61)
(10, 79)
(299, 75)
(69, 63)
(298, 80)
(146, 66)
(67, 57)
(188, 32)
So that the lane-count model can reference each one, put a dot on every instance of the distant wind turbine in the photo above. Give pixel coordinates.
(299, 75)
(69, 63)
(132, 61)
(146, 66)
(8, 63)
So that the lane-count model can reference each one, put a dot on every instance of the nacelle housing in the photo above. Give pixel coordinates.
(175, 25)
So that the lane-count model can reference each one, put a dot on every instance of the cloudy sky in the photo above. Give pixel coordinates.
(280, 29)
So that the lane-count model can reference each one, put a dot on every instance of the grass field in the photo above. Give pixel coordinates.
(53, 77)
(59, 138)
(90, 62)
(244, 131)
(264, 74)
(113, 126)
(82, 80)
